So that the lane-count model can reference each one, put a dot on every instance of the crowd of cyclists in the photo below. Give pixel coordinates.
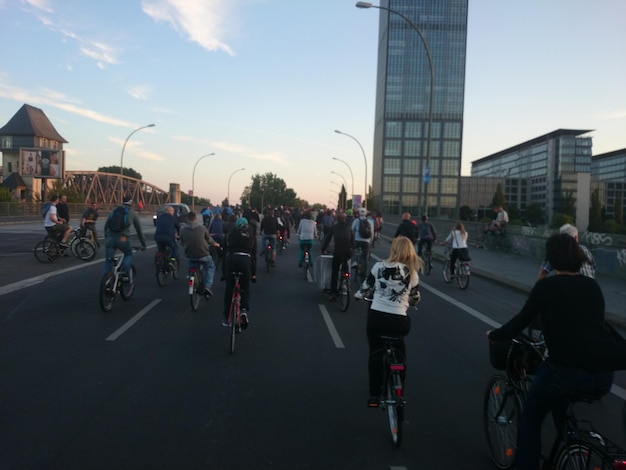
(581, 359)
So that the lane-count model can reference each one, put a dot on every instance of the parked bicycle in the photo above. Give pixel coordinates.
(234, 312)
(393, 400)
(113, 282)
(461, 270)
(166, 266)
(494, 240)
(51, 248)
(195, 284)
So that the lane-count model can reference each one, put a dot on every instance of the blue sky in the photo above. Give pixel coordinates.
(264, 83)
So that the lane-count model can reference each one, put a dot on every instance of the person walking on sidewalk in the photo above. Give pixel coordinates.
(588, 266)
(458, 237)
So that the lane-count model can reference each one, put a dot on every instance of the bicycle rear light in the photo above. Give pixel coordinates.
(397, 367)
(399, 391)
(619, 464)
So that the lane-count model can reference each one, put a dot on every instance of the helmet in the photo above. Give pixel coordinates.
(362, 212)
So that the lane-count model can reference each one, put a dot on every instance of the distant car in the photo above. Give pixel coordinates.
(181, 211)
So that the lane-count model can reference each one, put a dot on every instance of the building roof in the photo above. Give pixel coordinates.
(531, 142)
(13, 181)
(31, 121)
(614, 153)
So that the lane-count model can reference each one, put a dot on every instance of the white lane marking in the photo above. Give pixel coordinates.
(132, 321)
(615, 389)
(331, 327)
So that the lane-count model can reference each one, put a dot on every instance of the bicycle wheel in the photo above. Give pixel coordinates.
(395, 410)
(127, 288)
(83, 248)
(107, 291)
(268, 258)
(175, 268)
(46, 251)
(234, 318)
(582, 457)
(446, 271)
(501, 418)
(462, 275)
(344, 293)
(427, 263)
(195, 285)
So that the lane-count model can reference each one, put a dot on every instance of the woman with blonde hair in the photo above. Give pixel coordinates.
(458, 237)
(394, 282)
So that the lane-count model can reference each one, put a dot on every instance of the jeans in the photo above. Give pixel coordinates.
(208, 268)
(272, 240)
(365, 250)
(550, 391)
(303, 245)
(122, 243)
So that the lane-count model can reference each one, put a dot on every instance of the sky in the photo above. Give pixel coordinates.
(263, 84)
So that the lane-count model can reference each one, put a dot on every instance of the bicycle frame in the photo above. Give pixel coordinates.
(393, 388)
(234, 312)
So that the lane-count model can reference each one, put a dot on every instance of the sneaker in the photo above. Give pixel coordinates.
(354, 264)
(124, 276)
(333, 297)
(208, 293)
(244, 319)
(64, 245)
(225, 322)
(373, 402)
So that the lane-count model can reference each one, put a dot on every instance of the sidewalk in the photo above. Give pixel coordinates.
(521, 273)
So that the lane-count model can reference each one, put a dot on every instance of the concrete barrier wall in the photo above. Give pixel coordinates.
(609, 250)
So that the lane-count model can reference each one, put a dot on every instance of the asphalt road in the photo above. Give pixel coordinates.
(152, 385)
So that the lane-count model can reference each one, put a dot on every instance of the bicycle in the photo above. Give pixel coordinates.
(166, 266)
(461, 270)
(494, 240)
(282, 243)
(357, 264)
(268, 255)
(113, 283)
(234, 312)
(343, 291)
(427, 252)
(50, 248)
(506, 394)
(195, 284)
(392, 399)
(217, 253)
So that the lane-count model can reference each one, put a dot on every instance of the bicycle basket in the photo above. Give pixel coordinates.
(517, 358)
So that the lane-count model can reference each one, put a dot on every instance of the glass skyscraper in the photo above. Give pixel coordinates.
(403, 159)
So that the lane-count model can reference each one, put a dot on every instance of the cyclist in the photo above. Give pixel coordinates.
(427, 235)
(88, 222)
(588, 266)
(361, 240)
(54, 224)
(167, 230)
(394, 282)
(328, 220)
(344, 244)
(306, 234)
(458, 237)
(407, 228)
(582, 354)
(196, 240)
(269, 229)
(216, 229)
(115, 239)
(240, 257)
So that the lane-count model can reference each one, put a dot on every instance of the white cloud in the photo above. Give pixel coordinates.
(40, 5)
(278, 158)
(140, 92)
(200, 20)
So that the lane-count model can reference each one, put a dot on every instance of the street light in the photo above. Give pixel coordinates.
(364, 202)
(229, 178)
(345, 163)
(432, 91)
(122, 161)
(193, 181)
(341, 176)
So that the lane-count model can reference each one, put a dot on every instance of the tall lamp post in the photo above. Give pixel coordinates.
(122, 160)
(339, 193)
(346, 163)
(432, 92)
(229, 178)
(364, 202)
(341, 176)
(193, 181)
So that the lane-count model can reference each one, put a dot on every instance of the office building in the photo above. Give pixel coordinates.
(608, 175)
(406, 154)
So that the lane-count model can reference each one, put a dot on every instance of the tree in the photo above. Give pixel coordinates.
(498, 197)
(72, 194)
(268, 189)
(116, 169)
(534, 214)
(5, 195)
(466, 213)
(595, 212)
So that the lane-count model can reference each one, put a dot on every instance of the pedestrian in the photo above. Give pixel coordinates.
(588, 266)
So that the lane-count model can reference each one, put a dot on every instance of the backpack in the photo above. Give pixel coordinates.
(45, 208)
(240, 237)
(425, 231)
(365, 229)
(118, 219)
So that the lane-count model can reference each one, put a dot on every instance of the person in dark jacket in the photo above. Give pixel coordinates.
(343, 235)
(582, 355)
(407, 228)
(166, 232)
(240, 257)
